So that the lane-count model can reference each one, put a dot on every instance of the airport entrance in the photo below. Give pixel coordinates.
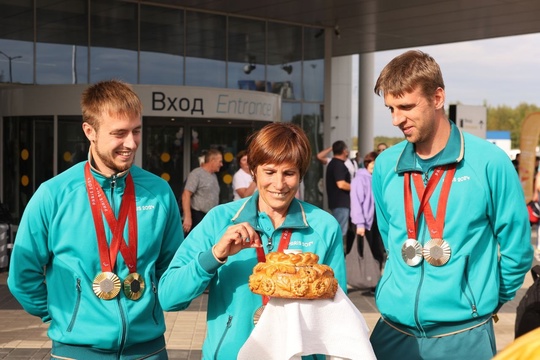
(174, 147)
(41, 134)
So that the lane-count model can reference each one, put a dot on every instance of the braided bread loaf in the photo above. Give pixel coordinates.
(294, 276)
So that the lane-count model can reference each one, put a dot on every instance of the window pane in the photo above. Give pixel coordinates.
(285, 60)
(205, 50)
(247, 44)
(291, 112)
(62, 47)
(163, 152)
(16, 45)
(313, 126)
(313, 78)
(72, 143)
(162, 46)
(113, 27)
(28, 158)
(16, 62)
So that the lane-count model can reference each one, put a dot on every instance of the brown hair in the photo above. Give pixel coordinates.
(370, 156)
(240, 155)
(279, 143)
(408, 71)
(111, 96)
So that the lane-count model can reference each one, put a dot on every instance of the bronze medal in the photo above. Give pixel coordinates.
(437, 252)
(257, 315)
(133, 286)
(106, 285)
(411, 251)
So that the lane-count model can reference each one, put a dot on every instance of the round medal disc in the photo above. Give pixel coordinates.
(411, 251)
(257, 315)
(133, 286)
(437, 252)
(106, 285)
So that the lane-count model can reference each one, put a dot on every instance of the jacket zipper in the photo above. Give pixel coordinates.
(471, 300)
(420, 284)
(227, 327)
(113, 185)
(114, 177)
(154, 290)
(77, 304)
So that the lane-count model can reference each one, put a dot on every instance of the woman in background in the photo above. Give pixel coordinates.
(363, 208)
(242, 183)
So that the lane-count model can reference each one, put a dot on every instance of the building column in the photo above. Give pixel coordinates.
(366, 83)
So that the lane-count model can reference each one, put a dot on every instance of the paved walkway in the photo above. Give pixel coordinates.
(25, 337)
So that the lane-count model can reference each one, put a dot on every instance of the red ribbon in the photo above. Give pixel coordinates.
(100, 205)
(435, 225)
(283, 244)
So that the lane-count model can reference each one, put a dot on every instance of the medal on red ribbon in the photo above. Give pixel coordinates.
(436, 251)
(107, 285)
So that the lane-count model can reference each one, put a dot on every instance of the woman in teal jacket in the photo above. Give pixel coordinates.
(221, 251)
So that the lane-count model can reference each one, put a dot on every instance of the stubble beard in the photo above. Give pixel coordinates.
(110, 164)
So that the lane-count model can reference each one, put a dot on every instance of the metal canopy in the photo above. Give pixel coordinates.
(375, 25)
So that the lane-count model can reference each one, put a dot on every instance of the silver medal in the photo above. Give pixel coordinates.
(411, 251)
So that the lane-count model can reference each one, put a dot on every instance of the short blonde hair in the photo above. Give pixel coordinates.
(408, 71)
(110, 96)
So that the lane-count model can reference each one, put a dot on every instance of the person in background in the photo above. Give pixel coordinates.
(451, 214)
(94, 241)
(381, 147)
(232, 238)
(363, 208)
(324, 157)
(201, 191)
(338, 187)
(243, 184)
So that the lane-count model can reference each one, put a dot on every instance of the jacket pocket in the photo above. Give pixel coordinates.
(77, 305)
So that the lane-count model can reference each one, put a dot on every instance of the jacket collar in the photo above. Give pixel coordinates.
(452, 153)
(248, 212)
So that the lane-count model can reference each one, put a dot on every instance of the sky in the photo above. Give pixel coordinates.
(500, 71)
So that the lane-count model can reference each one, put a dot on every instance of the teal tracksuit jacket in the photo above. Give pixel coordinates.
(55, 259)
(486, 213)
(231, 305)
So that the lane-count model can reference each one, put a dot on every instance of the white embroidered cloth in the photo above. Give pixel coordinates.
(290, 328)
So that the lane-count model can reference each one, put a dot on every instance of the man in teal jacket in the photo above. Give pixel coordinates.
(452, 215)
(94, 241)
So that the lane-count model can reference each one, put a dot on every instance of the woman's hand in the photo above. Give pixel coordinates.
(237, 237)
(360, 231)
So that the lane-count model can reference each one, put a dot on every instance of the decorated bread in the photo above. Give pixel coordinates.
(294, 276)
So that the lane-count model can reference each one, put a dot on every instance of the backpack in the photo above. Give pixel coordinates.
(533, 207)
(528, 310)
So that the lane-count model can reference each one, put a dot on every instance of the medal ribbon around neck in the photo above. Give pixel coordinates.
(436, 251)
(435, 225)
(106, 285)
(99, 205)
(283, 244)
